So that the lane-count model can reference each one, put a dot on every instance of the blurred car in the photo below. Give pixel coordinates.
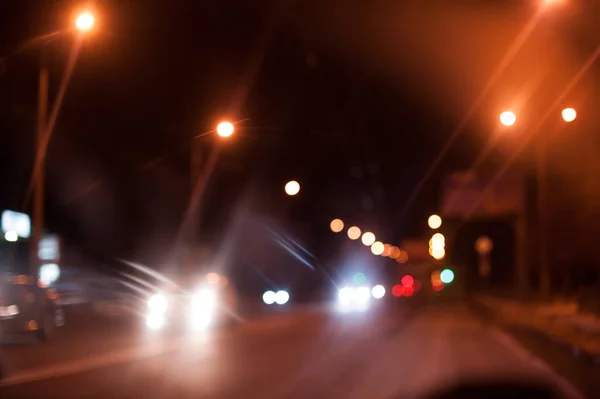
(196, 303)
(28, 308)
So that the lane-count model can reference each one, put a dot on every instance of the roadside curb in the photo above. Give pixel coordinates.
(491, 315)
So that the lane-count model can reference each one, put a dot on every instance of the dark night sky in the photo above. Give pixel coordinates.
(354, 101)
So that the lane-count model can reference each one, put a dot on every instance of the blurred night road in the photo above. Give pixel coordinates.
(298, 354)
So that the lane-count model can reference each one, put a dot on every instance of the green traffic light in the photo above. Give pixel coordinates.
(447, 276)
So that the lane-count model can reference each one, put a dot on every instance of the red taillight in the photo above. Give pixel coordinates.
(408, 280)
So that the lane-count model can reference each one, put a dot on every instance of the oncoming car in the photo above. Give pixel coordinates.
(197, 304)
(28, 308)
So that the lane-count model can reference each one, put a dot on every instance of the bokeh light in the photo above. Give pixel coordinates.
(282, 297)
(368, 238)
(434, 222)
(387, 249)
(225, 129)
(508, 118)
(292, 188)
(359, 278)
(85, 21)
(397, 290)
(408, 280)
(353, 233)
(336, 225)
(378, 291)
(377, 248)
(447, 276)
(569, 114)
(268, 297)
(402, 257)
(437, 253)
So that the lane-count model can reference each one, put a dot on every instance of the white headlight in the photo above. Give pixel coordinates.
(269, 297)
(158, 303)
(363, 294)
(203, 305)
(204, 299)
(345, 295)
(281, 297)
(378, 291)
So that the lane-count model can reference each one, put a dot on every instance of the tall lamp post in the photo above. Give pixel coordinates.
(83, 23)
(508, 118)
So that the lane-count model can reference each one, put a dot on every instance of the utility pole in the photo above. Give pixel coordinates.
(38, 184)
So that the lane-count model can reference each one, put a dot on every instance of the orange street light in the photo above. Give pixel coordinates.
(508, 118)
(85, 21)
(434, 222)
(336, 225)
(225, 129)
(569, 114)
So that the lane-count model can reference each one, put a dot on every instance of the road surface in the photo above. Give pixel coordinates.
(312, 354)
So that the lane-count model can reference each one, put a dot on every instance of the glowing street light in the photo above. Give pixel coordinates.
(437, 253)
(225, 129)
(508, 118)
(85, 21)
(336, 225)
(377, 248)
(292, 188)
(434, 222)
(368, 238)
(353, 233)
(569, 114)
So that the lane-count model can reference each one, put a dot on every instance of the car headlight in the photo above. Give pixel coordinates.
(158, 303)
(363, 294)
(346, 295)
(205, 299)
(202, 307)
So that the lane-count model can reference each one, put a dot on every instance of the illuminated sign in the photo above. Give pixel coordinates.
(16, 222)
(49, 248)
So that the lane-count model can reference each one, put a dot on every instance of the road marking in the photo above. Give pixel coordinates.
(526, 356)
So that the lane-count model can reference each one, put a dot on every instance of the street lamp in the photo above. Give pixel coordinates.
(225, 129)
(336, 225)
(569, 114)
(508, 118)
(85, 21)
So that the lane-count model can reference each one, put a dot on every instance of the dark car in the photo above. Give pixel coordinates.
(27, 308)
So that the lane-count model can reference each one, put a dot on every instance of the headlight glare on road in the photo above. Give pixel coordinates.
(158, 303)
(281, 297)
